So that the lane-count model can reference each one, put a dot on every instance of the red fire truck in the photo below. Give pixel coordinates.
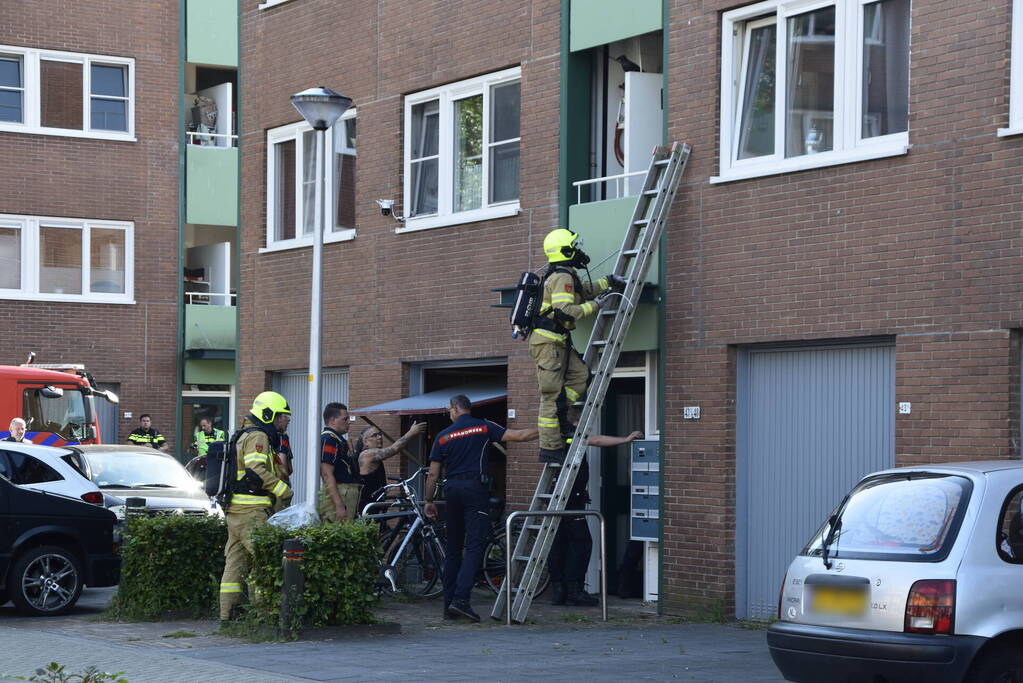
(57, 402)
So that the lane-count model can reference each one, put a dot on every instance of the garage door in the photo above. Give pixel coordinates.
(811, 421)
(294, 386)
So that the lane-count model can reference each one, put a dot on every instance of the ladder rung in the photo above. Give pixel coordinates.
(651, 193)
(662, 162)
(630, 252)
(534, 527)
(545, 495)
(520, 558)
(642, 221)
(608, 312)
(600, 342)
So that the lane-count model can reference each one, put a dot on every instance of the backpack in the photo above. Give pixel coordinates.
(221, 464)
(528, 295)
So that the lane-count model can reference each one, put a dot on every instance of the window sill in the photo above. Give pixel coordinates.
(67, 133)
(271, 3)
(805, 163)
(1016, 129)
(430, 222)
(68, 299)
(338, 236)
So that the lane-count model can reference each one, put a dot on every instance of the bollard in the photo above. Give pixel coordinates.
(294, 583)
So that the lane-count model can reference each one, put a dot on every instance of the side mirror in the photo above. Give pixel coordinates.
(50, 392)
(109, 396)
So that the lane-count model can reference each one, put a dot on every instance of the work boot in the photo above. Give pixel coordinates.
(555, 455)
(575, 595)
(462, 609)
(557, 592)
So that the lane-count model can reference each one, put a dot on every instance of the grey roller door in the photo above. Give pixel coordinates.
(294, 386)
(811, 422)
(107, 413)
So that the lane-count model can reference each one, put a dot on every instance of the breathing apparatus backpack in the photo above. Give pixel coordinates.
(221, 461)
(528, 296)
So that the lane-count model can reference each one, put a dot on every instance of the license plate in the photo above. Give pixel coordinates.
(849, 602)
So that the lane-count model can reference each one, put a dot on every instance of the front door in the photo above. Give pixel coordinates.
(193, 409)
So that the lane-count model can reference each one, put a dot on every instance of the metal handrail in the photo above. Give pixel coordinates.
(232, 139)
(619, 177)
(553, 513)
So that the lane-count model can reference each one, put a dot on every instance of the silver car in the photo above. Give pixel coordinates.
(916, 576)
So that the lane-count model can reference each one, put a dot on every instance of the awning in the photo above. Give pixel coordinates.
(436, 402)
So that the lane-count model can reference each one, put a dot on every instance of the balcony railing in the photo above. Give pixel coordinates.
(621, 187)
(223, 140)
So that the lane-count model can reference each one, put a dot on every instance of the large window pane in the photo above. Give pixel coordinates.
(504, 103)
(60, 95)
(344, 174)
(109, 114)
(504, 156)
(424, 143)
(11, 90)
(810, 87)
(309, 159)
(468, 185)
(60, 260)
(106, 261)
(10, 258)
(756, 120)
(284, 192)
(885, 68)
(109, 80)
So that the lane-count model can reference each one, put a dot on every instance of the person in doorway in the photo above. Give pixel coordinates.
(18, 428)
(254, 493)
(560, 372)
(339, 498)
(204, 436)
(461, 450)
(570, 551)
(145, 435)
(371, 453)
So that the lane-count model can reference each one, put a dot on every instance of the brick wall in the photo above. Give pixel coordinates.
(46, 175)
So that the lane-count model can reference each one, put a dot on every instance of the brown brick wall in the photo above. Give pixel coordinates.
(924, 247)
(134, 345)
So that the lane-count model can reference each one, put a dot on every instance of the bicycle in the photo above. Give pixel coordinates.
(492, 572)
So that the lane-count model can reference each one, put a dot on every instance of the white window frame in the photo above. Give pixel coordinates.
(446, 96)
(29, 291)
(849, 145)
(294, 131)
(1015, 126)
(32, 89)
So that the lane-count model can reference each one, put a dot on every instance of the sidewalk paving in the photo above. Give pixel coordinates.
(568, 642)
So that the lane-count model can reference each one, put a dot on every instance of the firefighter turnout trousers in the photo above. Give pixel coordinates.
(553, 377)
(350, 495)
(238, 554)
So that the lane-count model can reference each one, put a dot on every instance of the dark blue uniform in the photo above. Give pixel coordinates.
(570, 552)
(334, 450)
(463, 449)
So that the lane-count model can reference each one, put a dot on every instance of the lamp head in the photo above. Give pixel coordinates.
(320, 107)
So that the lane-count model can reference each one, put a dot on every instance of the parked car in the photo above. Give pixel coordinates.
(916, 576)
(57, 470)
(50, 547)
(141, 472)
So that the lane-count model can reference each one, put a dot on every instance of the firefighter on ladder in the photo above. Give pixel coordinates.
(256, 489)
(561, 374)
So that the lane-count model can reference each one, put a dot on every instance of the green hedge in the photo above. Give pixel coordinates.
(171, 568)
(340, 568)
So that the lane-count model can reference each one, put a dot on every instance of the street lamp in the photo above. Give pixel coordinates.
(321, 108)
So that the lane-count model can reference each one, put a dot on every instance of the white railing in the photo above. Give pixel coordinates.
(621, 187)
(224, 140)
(211, 298)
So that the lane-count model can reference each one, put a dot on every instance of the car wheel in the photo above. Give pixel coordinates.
(45, 581)
(1003, 665)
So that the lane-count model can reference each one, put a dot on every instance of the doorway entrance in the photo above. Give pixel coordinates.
(193, 409)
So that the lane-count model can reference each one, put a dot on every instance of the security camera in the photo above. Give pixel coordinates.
(385, 206)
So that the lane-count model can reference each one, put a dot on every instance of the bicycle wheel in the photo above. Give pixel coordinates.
(417, 570)
(493, 567)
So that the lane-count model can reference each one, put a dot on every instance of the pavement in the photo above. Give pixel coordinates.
(570, 643)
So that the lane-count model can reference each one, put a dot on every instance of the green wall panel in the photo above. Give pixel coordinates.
(211, 185)
(209, 371)
(212, 27)
(211, 327)
(598, 22)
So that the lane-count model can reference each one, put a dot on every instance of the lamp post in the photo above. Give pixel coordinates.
(321, 108)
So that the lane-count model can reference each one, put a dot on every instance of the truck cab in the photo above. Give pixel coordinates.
(56, 402)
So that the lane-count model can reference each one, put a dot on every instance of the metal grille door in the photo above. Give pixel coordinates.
(294, 386)
(811, 422)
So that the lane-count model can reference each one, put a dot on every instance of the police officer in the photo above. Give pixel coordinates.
(566, 299)
(256, 489)
(573, 544)
(462, 450)
(145, 435)
(339, 497)
(201, 446)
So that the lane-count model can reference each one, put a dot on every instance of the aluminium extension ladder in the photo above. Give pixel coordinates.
(641, 240)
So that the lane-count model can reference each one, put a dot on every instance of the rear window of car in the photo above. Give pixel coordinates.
(905, 517)
(24, 469)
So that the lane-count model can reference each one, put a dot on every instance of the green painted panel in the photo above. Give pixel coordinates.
(602, 228)
(209, 371)
(211, 185)
(598, 22)
(212, 27)
(211, 327)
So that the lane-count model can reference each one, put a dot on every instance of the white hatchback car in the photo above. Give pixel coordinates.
(46, 468)
(916, 576)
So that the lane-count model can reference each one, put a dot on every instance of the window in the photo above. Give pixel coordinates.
(1015, 76)
(24, 469)
(462, 152)
(291, 184)
(65, 259)
(65, 93)
(810, 84)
